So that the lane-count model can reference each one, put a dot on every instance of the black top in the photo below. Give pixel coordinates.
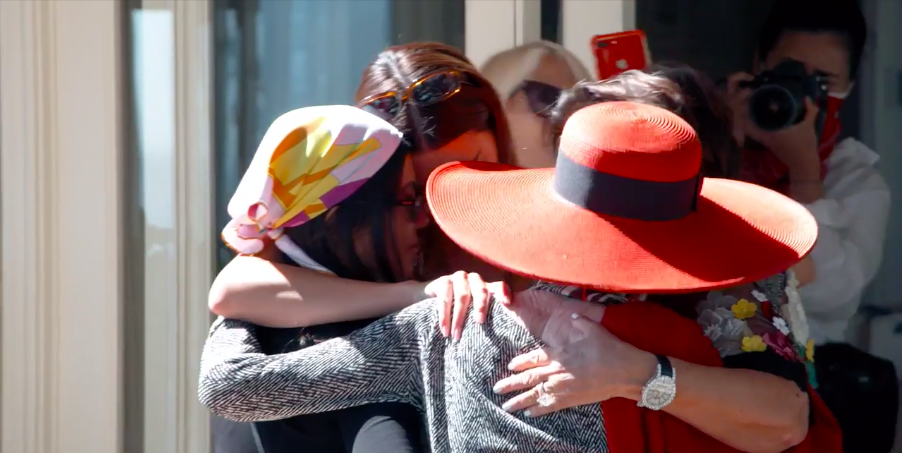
(327, 432)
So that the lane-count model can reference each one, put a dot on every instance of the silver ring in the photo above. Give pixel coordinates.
(544, 398)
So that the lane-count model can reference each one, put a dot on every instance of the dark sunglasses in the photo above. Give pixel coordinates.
(426, 91)
(540, 96)
(416, 206)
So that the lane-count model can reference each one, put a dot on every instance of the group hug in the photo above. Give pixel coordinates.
(521, 258)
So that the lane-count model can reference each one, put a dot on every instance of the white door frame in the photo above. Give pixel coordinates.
(62, 145)
(60, 69)
(492, 26)
(176, 318)
(195, 188)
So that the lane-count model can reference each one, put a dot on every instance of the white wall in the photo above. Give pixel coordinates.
(882, 128)
(61, 140)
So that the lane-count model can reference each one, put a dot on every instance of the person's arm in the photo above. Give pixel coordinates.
(849, 247)
(755, 403)
(268, 293)
(804, 271)
(375, 364)
(759, 398)
(748, 410)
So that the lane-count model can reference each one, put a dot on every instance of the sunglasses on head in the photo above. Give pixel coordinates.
(540, 96)
(425, 91)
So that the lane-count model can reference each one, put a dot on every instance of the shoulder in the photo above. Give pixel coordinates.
(852, 168)
(766, 315)
(422, 312)
(420, 319)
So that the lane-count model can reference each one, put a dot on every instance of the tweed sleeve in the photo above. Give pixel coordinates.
(379, 363)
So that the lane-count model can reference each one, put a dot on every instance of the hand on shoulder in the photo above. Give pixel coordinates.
(456, 292)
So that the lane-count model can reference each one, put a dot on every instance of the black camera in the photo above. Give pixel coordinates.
(778, 100)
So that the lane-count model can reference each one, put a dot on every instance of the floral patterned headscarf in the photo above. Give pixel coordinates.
(310, 160)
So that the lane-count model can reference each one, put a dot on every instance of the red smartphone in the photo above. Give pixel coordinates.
(619, 52)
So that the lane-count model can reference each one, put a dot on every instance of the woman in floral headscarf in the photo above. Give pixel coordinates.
(446, 111)
(330, 189)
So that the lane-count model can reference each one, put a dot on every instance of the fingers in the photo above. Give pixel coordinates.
(531, 359)
(462, 298)
(501, 292)
(738, 135)
(529, 399)
(811, 111)
(526, 379)
(556, 405)
(556, 398)
(456, 292)
(522, 401)
(480, 293)
(443, 290)
(738, 98)
(584, 324)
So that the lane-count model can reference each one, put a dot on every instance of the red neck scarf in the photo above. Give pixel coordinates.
(765, 169)
(658, 330)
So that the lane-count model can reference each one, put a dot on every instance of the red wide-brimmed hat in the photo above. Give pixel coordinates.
(624, 210)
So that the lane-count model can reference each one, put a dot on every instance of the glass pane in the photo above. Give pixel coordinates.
(151, 272)
(277, 55)
(551, 20)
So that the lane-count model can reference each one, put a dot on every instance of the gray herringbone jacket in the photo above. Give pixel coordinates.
(399, 358)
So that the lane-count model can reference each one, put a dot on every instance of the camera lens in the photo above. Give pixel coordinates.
(773, 107)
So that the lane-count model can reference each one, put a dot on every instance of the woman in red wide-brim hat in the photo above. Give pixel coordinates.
(625, 210)
(404, 358)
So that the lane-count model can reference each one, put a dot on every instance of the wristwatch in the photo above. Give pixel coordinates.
(660, 390)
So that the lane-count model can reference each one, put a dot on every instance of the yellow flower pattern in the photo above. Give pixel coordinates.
(744, 309)
(753, 343)
(755, 319)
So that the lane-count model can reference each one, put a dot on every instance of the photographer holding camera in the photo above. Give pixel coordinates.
(786, 117)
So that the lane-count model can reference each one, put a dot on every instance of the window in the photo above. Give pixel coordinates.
(151, 219)
(551, 20)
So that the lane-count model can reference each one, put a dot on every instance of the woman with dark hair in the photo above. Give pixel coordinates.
(329, 190)
(446, 112)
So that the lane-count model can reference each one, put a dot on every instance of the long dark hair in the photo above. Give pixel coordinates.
(476, 107)
(708, 112)
(349, 240)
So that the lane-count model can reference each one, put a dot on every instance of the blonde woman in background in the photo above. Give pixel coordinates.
(529, 79)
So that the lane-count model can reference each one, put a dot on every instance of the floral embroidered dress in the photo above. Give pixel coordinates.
(759, 326)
